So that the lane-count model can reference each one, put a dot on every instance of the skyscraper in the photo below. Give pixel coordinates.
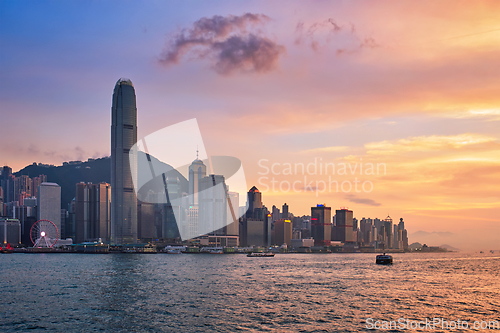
(284, 215)
(213, 204)
(49, 203)
(283, 232)
(197, 170)
(92, 212)
(254, 202)
(321, 225)
(123, 137)
(344, 225)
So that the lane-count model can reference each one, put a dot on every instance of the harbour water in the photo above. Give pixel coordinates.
(228, 293)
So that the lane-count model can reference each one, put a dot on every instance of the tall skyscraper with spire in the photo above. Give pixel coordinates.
(123, 137)
(197, 170)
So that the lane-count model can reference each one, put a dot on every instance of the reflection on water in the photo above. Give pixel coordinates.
(200, 293)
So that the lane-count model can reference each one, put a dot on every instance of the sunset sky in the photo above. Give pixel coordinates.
(414, 86)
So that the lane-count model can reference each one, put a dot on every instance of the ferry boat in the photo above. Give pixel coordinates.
(260, 254)
(384, 259)
(174, 249)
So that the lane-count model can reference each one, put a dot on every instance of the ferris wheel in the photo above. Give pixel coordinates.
(44, 233)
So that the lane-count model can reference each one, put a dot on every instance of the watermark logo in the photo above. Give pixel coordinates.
(431, 324)
(318, 176)
(172, 167)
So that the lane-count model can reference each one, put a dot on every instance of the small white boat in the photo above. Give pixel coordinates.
(384, 259)
(260, 254)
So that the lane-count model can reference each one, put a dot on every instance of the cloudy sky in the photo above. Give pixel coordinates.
(411, 87)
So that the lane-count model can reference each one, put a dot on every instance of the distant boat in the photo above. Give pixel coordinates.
(173, 251)
(7, 249)
(384, 259)
(260, 254)
(216, 252)
(481, 251)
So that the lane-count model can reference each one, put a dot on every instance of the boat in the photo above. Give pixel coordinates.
(384, 259)
(173, 251)
(216, 252)
(7, 249)
(260, 254)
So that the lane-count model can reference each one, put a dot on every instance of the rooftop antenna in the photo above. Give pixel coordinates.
(196, 152)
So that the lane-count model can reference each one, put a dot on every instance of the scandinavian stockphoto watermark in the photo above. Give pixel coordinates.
(431, 324)
(319, 176)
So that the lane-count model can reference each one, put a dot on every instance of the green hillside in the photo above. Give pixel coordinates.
(69, 174)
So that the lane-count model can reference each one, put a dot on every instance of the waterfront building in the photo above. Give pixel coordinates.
(10, 232)
(92, 212)
(49, 203)
(197, 170)
(344, 226)
(123, 137)
(283, 232)
(321, 225)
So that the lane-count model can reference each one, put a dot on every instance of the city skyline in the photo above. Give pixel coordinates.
(341, 85)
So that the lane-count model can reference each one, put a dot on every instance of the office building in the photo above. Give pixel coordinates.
(123, 137)
(147, 230)
(7, 184)
(388, 241)
(283, 232)
(275, 213)
(233, 228)
(321, 225)
(284, 214)
(92, 212)
(254, 203)
(49, 203)
(36, 181)
(344, 226)
(10, 232)
(197, 170)
(256, 232)
(213, 206)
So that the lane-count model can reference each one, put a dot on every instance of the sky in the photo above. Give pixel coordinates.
(400, 98)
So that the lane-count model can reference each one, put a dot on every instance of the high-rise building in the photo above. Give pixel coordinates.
(255, 232)
(169, 228)
(35, 182)
(197, 170)
(232, 228)
(92, 212)
(7, 183)
(344, 226)
(284, 215)
(275, 213)
(388, 232)
(146, 222)
(123, 137)
(254, 203)
(22, 187)
(10, 232)
(213, 207)
(283, 232)
(321, 225)
(49, 203)
(401, 224)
